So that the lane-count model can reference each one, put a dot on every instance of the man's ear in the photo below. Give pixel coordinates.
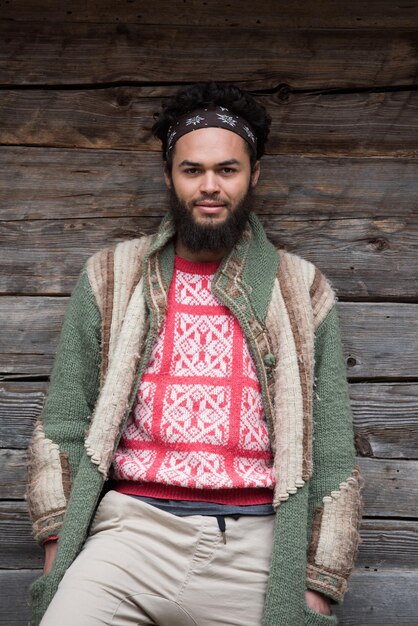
(167, 176)
(255, 173)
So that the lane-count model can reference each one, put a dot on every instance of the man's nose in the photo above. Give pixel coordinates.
(209, 183)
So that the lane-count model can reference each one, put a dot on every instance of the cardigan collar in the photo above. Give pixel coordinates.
(247, 273)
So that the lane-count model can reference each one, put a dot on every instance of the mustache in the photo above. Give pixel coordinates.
(211, 198)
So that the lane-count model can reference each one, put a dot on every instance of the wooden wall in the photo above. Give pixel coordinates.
(79, 83)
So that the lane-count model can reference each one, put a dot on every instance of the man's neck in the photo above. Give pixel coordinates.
(201, 256)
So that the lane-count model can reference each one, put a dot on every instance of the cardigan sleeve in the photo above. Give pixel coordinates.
(335, 486)
(57, 442)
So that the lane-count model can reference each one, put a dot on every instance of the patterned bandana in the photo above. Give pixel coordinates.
(218, 117)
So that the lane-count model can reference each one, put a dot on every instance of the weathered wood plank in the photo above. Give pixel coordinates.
(34, 53)
(386, 419)
(356, 124)
(380, 340)
(271, 13)
(385, 543)
(35, 183)
(380, 599)
(374, 599)
(377, 336)
(363, 257)
(347, 187)
(46, 256)
(18, 549)
(14, 606)
(20, 404)
(29, 330)
(41, 183)
(388, 544)
(13, 474)
(391, 486)
(103, 118)
(369, 258)
(348, 124)
(385, 416)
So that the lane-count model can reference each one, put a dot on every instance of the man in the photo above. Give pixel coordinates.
(199, 394)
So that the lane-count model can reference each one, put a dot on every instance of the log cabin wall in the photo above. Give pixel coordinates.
(79, 83)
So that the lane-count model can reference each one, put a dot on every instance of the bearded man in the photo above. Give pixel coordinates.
(194, 461)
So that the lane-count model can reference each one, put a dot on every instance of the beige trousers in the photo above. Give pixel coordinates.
(141, 566)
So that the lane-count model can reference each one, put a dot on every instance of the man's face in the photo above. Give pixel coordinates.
(210, 187)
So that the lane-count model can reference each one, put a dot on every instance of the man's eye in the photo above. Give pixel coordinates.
(191, 170)
(228, 170)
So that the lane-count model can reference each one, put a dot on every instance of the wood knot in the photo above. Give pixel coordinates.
(123, 100)
(351, 361)
(283, 93)
(379, 244)
(363, 446)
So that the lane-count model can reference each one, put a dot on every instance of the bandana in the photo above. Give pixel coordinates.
(218, 117)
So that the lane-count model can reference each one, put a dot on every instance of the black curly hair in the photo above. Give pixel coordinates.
(208, 95)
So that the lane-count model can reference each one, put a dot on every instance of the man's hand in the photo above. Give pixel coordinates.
(50, 548)
(317, 602)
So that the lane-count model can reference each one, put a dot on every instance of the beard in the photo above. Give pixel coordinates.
(213, 237)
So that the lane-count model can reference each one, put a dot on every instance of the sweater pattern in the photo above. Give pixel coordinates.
(197, 421)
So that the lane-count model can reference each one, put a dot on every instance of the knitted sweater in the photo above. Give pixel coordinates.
(196, 430)
(287, 312)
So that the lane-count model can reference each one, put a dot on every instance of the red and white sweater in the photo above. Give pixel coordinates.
(197, 429)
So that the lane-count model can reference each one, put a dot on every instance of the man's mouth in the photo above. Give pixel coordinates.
(209, 206)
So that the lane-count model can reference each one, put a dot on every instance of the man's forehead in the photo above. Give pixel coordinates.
(210, 144)
(226, 163)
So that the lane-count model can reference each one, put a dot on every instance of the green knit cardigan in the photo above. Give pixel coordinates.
(287, 311)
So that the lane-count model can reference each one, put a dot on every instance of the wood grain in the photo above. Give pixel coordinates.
(385, 544)
(380, 599)
(380, 340)
(13, 474)
(14, 605)
(46, 256)
(348, 124)
(391, 486)
(39, 53)
(272, 13)
(374, 599)
(29, 329)
(388, 544)
(385, 416)
(20, 404)
(42, 183)
(377, 337)
(18, 549)
(368, 258)
(364, 258)
(386, 419)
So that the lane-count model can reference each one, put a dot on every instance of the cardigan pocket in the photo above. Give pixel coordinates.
(313, 618)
